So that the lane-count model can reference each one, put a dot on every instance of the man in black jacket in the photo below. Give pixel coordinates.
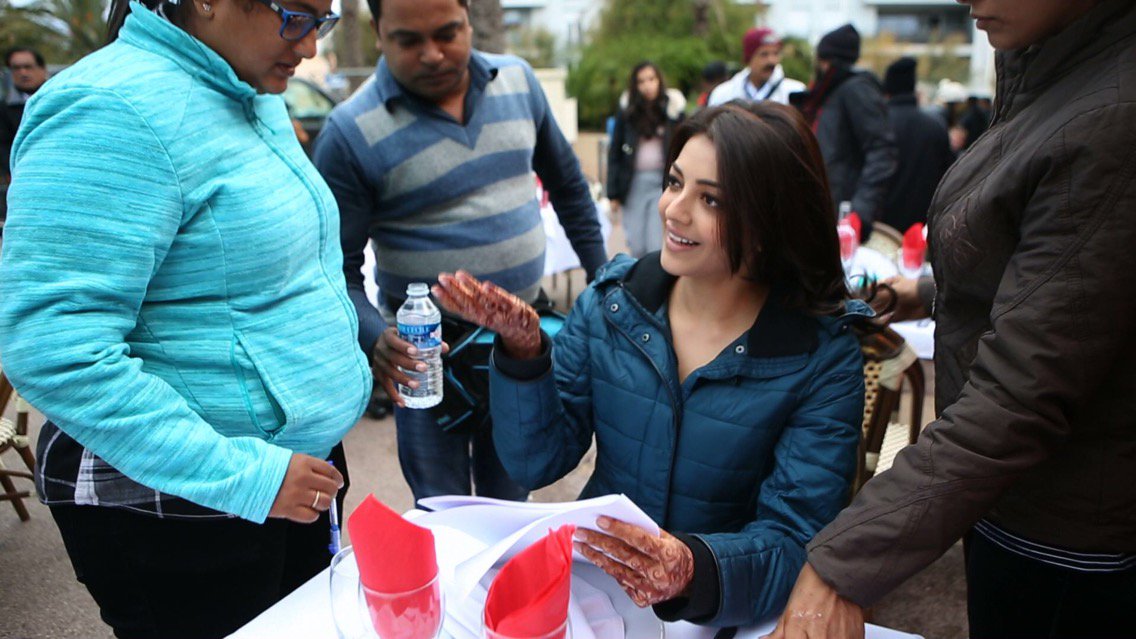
(923, 145)
(29, 72)
(846, 109)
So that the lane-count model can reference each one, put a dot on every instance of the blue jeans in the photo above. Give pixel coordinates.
(435, 462)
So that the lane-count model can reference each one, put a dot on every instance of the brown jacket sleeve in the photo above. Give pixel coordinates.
(1066, 299)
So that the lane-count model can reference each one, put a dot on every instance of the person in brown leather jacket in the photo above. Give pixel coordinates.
(1033, 457)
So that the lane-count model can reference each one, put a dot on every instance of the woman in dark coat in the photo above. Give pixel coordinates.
(637, 156)
(1032, 458)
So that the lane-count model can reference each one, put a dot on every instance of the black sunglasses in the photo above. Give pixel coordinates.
(296, 25)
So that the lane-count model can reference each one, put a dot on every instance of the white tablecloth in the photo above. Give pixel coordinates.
(306, 614)
(559, 256)
(871, 263)
(920, 335)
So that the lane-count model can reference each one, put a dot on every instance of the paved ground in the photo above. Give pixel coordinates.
(40, 599)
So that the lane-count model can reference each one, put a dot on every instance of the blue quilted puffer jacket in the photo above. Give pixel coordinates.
(745, 460)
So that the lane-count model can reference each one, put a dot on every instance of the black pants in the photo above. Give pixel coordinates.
(1012, 596)
(172, 579)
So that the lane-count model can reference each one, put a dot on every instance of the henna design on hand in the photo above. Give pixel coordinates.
(491, 306)
(650, 568)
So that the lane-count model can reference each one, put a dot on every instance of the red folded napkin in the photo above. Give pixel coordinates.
(397, 558)
(529, 597)
(394, 555)
(853, 219)
(914, 247)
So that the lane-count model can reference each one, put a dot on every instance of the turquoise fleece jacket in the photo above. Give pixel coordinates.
(171, 287)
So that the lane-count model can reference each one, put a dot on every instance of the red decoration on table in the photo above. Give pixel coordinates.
(398, 567)
(529, 597)
(914, 248)
(853, 219)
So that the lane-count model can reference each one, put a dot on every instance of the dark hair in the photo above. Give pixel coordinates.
(377, 7)
(646, 116)
(778, 224)
(119, 9)
(715, 71)
(40, 62)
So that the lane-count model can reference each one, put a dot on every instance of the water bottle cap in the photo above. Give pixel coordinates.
(418, 289)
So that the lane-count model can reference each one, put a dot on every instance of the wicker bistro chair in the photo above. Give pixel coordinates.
(15, 436)
(888, 363)
(885, 239)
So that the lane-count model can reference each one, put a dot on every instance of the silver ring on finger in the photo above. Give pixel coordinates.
(316, 501)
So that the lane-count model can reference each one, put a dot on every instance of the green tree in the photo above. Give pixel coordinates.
(680, 36)
(63, 30)
(536, 45)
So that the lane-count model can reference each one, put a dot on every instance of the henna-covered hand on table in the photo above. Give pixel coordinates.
(491, 306)
(650, 568)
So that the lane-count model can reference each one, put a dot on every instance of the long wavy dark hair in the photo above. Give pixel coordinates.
(646, 116)
(778, 224)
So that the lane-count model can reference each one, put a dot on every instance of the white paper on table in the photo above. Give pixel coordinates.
(515, 526)
(596, 609)
(588, 606)
(920, 335)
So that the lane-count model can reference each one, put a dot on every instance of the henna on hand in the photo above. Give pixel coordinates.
(491, 306)
(650, 568)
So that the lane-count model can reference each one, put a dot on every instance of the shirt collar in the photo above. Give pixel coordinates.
(777, 332)
(148, 31)
(481, 72)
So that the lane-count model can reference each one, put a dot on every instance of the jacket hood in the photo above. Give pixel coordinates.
(146, 30)
(777, 332)
(1027, 71)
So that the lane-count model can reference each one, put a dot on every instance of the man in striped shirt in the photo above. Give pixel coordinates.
(433, 162)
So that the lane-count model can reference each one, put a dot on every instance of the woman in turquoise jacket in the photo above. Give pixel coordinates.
(719, 377)
(173, 302)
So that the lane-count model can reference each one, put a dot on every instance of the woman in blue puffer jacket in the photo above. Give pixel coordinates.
(719, 377)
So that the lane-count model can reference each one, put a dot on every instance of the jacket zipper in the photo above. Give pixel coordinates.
(347, 305)
(675, 411)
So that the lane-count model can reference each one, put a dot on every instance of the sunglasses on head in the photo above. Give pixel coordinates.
(296, 25)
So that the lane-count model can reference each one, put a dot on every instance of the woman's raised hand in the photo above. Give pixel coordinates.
(488, 305)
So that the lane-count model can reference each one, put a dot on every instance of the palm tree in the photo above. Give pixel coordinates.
(63, 30)
(347, 50)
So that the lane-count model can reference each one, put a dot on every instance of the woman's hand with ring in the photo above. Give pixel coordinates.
(306, 476)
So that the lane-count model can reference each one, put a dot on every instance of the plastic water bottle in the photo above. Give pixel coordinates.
(420, 323)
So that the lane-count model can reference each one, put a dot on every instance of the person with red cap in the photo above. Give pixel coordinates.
(763, 78)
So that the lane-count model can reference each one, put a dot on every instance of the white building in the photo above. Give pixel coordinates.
(568, 20)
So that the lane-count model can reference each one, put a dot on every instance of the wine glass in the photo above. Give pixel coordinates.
(563, 631)
(365, 613)
(849, 242)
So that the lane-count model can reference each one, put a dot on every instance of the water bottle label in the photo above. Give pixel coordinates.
(421, 335)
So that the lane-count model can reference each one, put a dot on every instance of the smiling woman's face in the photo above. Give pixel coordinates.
(1017, 24)
(691, 206)
(246, 33)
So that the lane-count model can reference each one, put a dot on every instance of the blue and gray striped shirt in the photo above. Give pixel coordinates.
(437, 195)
